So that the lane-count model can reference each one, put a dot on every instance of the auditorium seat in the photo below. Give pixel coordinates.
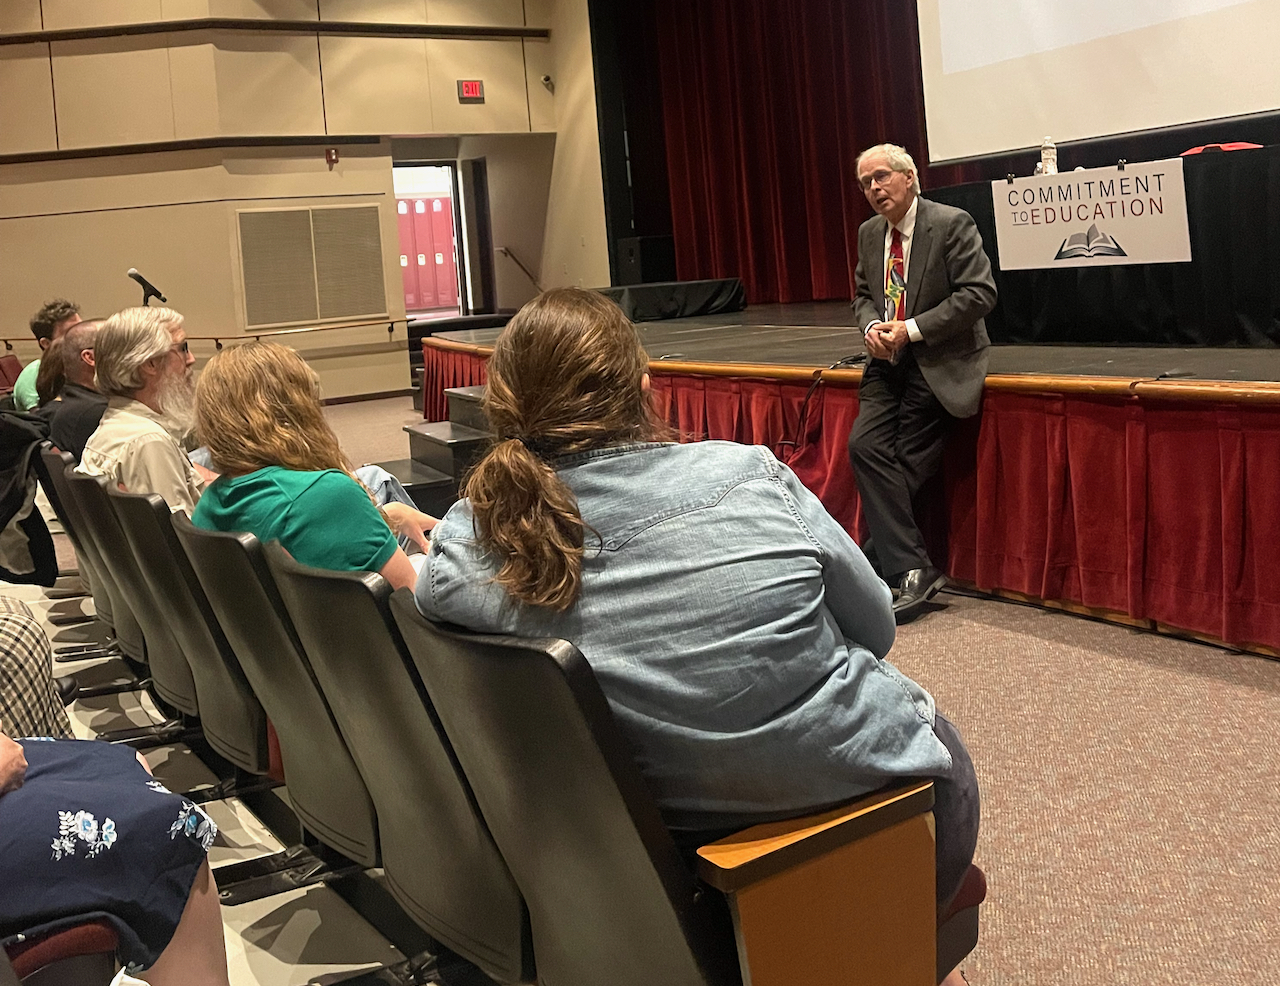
(171, 679)
(439, 860)
(126, 640)
(230, 714)
(816, 899)
(83, 955)
(325, 787)
(10, 368)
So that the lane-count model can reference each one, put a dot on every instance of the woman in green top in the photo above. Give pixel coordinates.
(283, 475)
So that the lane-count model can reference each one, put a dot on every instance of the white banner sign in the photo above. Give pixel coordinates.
(1097, 218)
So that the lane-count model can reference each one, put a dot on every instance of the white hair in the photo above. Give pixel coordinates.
(128, 339)
(899, 160)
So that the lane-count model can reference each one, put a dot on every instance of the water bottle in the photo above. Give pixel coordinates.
(1049, 157)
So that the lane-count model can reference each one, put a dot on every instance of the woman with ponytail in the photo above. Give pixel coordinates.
(737, 630)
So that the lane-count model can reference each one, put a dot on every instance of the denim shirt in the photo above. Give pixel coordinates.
(736, 629)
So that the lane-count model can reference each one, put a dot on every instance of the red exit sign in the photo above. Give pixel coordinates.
(470, 91)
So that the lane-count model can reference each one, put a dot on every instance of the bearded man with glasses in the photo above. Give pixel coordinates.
(143, 367)
(923, 285)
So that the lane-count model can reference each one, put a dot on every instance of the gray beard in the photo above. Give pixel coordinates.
(177, 400)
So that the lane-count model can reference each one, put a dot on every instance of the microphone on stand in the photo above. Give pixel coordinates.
(149, 290)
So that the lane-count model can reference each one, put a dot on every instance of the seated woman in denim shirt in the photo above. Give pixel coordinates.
(736, 629)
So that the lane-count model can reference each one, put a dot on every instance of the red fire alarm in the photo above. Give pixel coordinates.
(470, 90)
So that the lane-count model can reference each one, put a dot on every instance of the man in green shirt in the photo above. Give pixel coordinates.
(48, 324)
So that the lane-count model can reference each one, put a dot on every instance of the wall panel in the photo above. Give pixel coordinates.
(285, 10)
(268, 84)
(193, 84)
(64, 14)
(537, 13)
(375, 11)
(112, 91)
(26, 123)
(539, 60)
(19, 16)
(376, 86)
(487, 13)
(500, 64)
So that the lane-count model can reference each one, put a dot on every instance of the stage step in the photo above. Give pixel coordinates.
(464, 407)
(433, 491)
(451, 448)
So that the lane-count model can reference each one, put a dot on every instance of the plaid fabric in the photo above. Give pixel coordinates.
(29, 704)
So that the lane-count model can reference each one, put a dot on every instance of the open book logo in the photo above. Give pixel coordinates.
(1093, 243)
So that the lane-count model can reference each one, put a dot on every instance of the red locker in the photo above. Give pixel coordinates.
(442, 240)
(425, 256)
(408, 255)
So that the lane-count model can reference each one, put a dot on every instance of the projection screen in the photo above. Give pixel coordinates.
(1000, 75)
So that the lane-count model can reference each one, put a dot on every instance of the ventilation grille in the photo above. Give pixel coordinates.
(307, 265)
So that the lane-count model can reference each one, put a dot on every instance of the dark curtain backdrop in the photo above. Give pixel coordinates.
(764, 106)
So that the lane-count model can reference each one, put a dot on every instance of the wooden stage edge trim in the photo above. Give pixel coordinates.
(1112, 616)
(1146, 388)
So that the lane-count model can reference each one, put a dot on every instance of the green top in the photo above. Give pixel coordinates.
(323, 519)
(24, 388)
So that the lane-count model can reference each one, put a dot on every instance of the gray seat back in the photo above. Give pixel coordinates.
(52, 471)
(439, 858)
(170, 673)
(609, 897)
(325, 788)
(230, 714)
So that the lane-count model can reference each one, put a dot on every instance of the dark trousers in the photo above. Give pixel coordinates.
(956, 814)
(895, 448)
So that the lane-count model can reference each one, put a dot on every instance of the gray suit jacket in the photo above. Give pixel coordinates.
(949, 290)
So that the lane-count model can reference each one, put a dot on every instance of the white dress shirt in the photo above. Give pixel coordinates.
(906, 227)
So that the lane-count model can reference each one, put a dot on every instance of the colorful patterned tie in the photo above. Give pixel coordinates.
(895, 279)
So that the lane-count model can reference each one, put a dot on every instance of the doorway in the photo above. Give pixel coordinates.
(426, 212)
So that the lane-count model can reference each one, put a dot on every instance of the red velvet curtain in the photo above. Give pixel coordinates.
(1164, 511)
(766, 105)
(443, 368)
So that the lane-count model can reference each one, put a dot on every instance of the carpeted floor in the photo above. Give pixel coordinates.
(1129, 781)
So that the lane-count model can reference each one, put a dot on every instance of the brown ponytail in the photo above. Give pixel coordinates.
(565, 376)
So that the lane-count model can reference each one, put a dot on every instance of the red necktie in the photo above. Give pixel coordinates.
(895, 279)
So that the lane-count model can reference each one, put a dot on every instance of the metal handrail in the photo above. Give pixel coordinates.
(390, 323)
(508, 252)
(217, 340)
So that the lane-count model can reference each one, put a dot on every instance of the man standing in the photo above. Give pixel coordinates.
(48, 324)
(76, 416)
(143, 367)
(923, 287)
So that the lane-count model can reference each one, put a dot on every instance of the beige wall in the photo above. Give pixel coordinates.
(575, 248)
(72, 229)
(519, 168)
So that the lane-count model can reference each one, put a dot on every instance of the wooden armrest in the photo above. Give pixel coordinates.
(765, 850)
(843, 896)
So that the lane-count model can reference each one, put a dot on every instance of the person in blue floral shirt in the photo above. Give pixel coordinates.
(86, 833)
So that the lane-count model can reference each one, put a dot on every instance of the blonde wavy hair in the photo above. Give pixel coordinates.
(258, 405)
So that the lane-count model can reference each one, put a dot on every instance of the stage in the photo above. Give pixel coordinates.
(1137, 484)
(817, 334)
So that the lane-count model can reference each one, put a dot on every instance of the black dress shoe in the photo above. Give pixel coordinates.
(68, 688)
(918, 586)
